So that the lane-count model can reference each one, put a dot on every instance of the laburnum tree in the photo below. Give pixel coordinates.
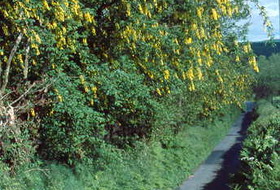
(89, 71)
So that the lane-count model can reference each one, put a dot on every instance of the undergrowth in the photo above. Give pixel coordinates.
(149, 165)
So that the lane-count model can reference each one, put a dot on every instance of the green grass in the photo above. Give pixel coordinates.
(149, 166)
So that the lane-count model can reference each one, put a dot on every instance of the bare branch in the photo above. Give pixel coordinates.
(24, 94)
(7, 71)
(45, 171)
(0, 72)
(25, 71)
(6, 95)
(43, 89)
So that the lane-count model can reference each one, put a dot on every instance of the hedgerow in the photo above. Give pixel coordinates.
(149, 165)
(260, 154)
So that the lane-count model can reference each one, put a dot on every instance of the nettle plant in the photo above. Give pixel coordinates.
(106, 64)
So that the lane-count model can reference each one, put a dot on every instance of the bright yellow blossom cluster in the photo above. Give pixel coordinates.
(186, 44)
(59, 96)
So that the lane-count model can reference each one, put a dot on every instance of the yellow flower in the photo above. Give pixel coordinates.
(37, 38)
(60, 98)
(32, 112)
(84, 41)
(236, 9)
(247, 48)
(229, 11)
(168, 90)
(191, 86)
(46, 5)
(199, 12)
(20, 58)
(176, 41)
(86, 89)
(198, 34)
(256, 68)
(202, 33)
(94, 89)
(199, 61)
(188, 41)
(219, 1)
(149, 14)
(223, 8)
(140, 9)
(215, 15)
(93, 31)
(220, 79)
(59, 14)
(37, 51)
(267, 24)
(184, 75)
(63, 30)
(190, 74)
(88, 17)
(91, 102)
(252, 60)
(151, 75)
(128, 9)
(52, 112)
(166, 74)
(199, 73)
(52, 25)
(158, 91)
(82, 79)
(194, 26)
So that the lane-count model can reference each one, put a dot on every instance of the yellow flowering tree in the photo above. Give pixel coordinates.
(106, 66)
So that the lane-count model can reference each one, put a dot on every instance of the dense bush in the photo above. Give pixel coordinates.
(147, 166)
(260, 155)
(110, 70)
(276, 101)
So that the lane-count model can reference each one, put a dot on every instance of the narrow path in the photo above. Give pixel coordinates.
(214, 173)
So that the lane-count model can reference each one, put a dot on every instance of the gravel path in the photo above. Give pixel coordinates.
(214, 173)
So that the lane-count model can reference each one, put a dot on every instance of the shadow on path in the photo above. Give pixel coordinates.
(230, 158)
(214, 173)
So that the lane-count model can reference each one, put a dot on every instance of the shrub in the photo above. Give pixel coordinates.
(260, 155)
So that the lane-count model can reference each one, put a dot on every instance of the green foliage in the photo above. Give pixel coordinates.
(115, 72)
(268, 78)
(72, 129)
(276, 101)
(260, 155)
(17, 146)
(147, 166)
(266, 48)
(78, 122)
(110, 75)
